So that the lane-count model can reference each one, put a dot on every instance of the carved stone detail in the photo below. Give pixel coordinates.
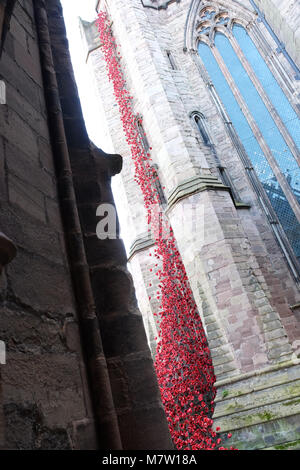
(204, 19)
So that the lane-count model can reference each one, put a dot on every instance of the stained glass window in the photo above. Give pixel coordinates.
(260, 114)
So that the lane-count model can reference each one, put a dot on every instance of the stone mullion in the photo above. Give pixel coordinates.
(275, 64)
(269, 56)
(251, 174)
(257, 133)
(279, 123)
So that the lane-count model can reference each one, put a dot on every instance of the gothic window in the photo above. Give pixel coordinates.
(154, 168)
(200, 124)
(142, 134)
(171, 60)
(263, 118)
(199, 121)
(158, 186)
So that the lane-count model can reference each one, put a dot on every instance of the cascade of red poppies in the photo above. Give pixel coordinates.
(183, 361)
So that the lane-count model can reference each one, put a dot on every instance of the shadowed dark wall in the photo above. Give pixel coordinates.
(79, 372)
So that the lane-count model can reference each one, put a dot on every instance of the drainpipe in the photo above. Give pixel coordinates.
(104, 409)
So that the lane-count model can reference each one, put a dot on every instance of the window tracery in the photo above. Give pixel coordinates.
(248, 91)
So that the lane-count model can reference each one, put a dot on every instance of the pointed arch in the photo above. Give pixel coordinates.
(265, 127)
(204, 14)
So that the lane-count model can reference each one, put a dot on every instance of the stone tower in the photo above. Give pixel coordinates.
(217, 85)
(78, 372)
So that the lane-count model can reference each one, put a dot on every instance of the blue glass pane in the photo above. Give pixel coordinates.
(265, 174)
(208, 14)
(269, 83)
(205, 30)
(270, 132)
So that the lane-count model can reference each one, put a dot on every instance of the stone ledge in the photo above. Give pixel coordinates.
(242, 205)
(281, 434)
(286, 394)
(140, 244)
(258, 415)
(266, 396)
(197, 184)
(193, 186)
(294, 445)
(257, 373)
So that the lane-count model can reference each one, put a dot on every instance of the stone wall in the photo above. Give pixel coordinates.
(285, 21)
(79, 373)
(45, 396)
(239, 276)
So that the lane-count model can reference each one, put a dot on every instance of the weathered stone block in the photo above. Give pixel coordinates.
(50, 292)
(123, 334)
(142, 430)
(113, 291)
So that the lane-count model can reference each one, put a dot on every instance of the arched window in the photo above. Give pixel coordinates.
(199, 120)
(142, 133)
(171, 60)
(154, 168)
(158, 186)
(265, 122)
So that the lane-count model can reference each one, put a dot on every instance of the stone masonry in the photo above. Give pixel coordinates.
(246, 294)
(78, 372)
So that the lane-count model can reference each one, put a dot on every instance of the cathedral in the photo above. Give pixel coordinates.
(215, 89)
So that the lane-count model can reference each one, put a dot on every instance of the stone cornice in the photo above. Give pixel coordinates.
(194, 185)
(140, 244)
(259, 372)
(184, 190)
